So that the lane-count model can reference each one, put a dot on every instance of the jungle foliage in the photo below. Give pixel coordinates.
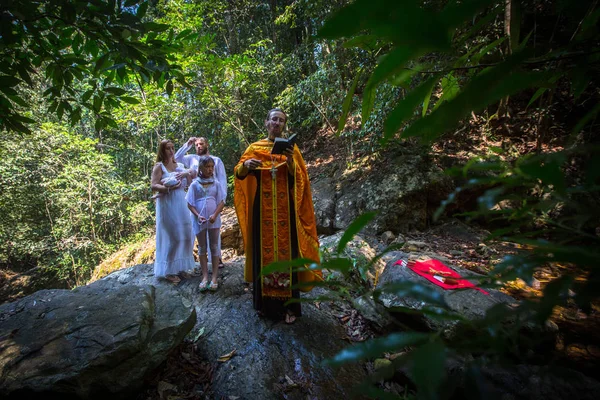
(88, 88)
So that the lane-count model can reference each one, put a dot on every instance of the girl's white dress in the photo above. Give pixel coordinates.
(205, 200)
(174, 239)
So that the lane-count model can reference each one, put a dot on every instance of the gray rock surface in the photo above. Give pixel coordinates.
(89, 342)
(470, 303)
(405, 191)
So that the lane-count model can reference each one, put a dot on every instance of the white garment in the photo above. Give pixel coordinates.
(174, 239)
(191, 161)
(205, 200)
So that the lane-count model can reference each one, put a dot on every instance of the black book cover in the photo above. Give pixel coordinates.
(280, 144)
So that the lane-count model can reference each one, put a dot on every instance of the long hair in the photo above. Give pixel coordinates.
(161, 153)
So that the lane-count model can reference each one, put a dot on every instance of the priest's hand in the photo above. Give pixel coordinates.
(289, 154)
(252, 163)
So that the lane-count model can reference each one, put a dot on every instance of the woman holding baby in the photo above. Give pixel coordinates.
(174, 240)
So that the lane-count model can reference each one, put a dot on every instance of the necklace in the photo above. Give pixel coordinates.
(273, 168)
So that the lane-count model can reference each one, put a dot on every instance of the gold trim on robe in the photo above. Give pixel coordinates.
(276, 236)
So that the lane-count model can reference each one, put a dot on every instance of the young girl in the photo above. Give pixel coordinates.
(205, 199)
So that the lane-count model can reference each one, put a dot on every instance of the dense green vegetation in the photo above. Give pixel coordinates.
(87, 89)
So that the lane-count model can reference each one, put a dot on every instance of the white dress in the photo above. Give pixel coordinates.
(205, 200)
(174, 239)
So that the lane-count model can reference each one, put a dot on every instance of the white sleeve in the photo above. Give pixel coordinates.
(180, 154)
(221, 177)
(191, 194)
(220, 193)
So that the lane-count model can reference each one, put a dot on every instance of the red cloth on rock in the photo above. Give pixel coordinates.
(427, 269)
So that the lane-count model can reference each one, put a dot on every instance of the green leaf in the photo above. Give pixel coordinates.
(115, 90)
(450, 88)
(428, 368)
(9, 81)
(129, 100)
(536, 96)
(368, 103)
(155, 27)
(356, 226)
(405, 107)
(392, 64)
(101, 62)
(488, 87)
(365, 42)
(374, 347)
(487, 49)
(287, 265)
(404, 23)
(18, 100)
(347, 104)
(426, 102)
(86, 96)
(547, 168)
(587, 118)
(342, 264)
(98, 103)
(142, 9)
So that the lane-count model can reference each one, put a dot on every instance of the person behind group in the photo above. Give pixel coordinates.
(205, 199)
(174, 240)
(274, 206)
(191, 162)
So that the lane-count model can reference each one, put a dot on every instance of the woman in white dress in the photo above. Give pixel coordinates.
(174, 239)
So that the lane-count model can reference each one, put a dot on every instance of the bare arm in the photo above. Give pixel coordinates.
(155, 180)
(213, 217)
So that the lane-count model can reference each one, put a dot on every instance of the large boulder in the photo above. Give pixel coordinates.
(91, 342)
(270, 358)
(404, 190)
(470, 303)
(231, 236)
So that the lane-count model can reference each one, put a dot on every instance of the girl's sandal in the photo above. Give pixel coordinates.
(213, 287)
(203, 286)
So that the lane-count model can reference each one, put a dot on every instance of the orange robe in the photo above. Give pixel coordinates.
(275, 242)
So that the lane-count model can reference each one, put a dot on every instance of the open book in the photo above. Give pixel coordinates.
(282, 143)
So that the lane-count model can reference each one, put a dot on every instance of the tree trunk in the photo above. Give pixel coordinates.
(512, 29)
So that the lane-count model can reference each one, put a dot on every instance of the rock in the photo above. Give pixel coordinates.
(266, 351)
(358, 249)
(469, 302)
(388, 237)
(405, 192)
(532, 382)
(484, 250)
(414, 245)
(231, 236)
(269, 350)
(324, 198)
(399, 239)
(372, 311)
(456, 253)
(95, 341)
(101, 340)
